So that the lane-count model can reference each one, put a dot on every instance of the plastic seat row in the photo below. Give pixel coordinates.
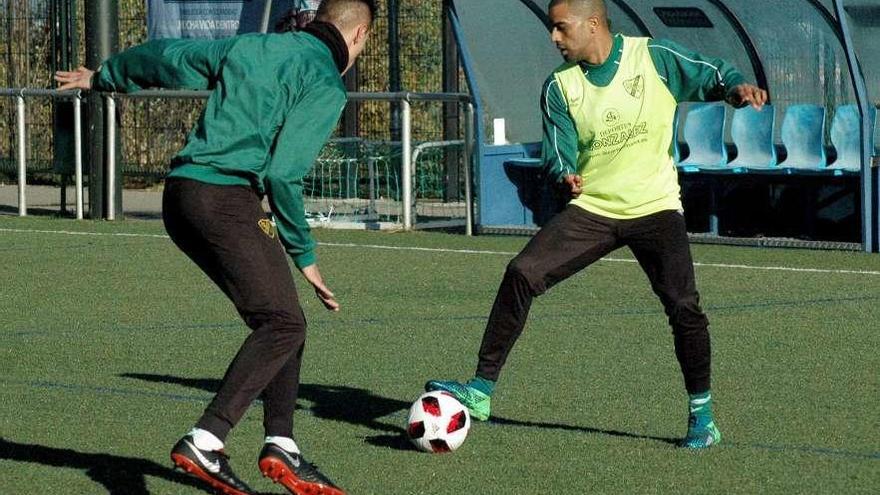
(802, 133)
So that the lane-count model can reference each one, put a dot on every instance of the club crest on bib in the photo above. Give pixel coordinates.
(267, 227)
(635, 86)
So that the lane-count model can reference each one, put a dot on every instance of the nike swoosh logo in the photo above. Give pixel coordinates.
(293, 460)
(213, 467)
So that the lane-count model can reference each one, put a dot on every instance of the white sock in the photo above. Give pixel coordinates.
(205, 440)
(285, 443)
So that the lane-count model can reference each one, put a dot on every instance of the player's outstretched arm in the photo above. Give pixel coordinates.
(313, 275)
(166, 63)
(81, 78)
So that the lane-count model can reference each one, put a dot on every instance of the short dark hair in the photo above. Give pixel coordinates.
(596, 6)
(331, 10)
(374, 9)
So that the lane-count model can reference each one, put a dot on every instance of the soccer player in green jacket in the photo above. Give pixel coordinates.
(608, 129)
(275, 99)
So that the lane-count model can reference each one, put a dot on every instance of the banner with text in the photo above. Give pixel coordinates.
(208, 19)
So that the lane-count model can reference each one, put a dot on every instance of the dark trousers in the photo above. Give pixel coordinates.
(221, 228)
(573, 240)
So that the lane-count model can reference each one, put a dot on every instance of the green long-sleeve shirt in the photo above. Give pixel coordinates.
(275, 100)
(688, 75)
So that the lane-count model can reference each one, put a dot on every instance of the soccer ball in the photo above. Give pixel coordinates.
(437, 422)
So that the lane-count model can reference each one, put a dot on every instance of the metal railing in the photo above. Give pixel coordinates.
(403, 98)
(408, 152)
(20, 96)
(417, 152)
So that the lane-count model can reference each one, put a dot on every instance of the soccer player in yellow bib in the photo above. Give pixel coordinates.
(608, 126)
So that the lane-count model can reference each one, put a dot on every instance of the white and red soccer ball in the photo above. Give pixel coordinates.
(437, 422)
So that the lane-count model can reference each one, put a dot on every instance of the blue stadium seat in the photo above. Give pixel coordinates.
(704, 136)
(803, 135)
(845, 136)
(752, 133)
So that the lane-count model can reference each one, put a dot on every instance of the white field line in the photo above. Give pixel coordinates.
(97, 234)
(469, 251)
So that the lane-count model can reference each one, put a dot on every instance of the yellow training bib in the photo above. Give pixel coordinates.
(624, 136)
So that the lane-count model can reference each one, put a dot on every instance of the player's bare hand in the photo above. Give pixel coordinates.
(747, 94)
(571, 185)
(328, 299)
(81, 78)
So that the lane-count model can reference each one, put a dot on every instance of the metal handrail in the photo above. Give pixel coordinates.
(21, 107)
(405, 99)
(410, 96)
(353, 96)
(56, 93)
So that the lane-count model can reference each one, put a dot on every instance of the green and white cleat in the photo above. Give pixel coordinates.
(700, 436)
(477, 402)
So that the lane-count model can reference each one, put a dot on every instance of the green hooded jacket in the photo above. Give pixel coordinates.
(275, 100)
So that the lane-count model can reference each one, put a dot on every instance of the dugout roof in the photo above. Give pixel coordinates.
(794, 48)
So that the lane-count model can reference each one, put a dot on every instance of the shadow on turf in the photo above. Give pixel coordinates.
(117, 474)
(399, 441)
(364, 408)
(580, 429)
(6, 210)
(338, 403)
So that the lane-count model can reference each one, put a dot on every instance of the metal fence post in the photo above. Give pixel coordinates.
(394, 84)
(267, 14)
(110, 149)
(101, 21)
(406, 172)
(22, 154)
(371, 171)
(468, 170)
(77, 154)
(452, 110)
(869, 179)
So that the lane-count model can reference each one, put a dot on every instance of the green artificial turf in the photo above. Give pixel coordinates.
(111, 344)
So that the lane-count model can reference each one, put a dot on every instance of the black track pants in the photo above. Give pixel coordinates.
(573, 240)
(224, 230)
